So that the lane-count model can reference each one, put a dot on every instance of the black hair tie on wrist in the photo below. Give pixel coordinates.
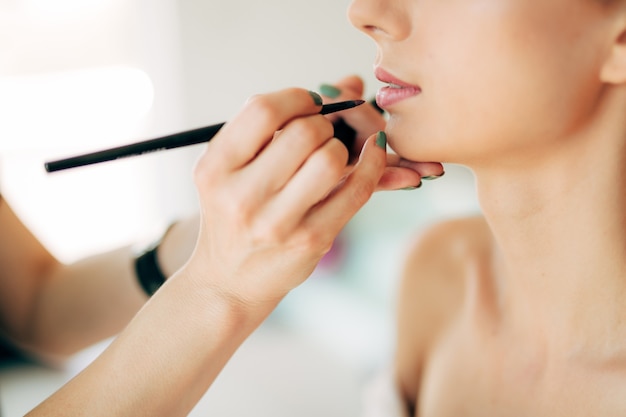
(148, 271)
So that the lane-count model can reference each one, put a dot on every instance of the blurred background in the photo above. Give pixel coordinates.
(80, 75)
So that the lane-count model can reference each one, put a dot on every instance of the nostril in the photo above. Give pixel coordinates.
(360, 15)
(375, 18)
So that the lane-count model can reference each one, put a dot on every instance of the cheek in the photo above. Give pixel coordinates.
(497, 85)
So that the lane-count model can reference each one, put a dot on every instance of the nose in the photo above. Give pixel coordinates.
(380, 19)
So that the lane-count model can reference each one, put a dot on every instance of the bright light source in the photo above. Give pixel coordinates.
(63, 8)
(90, 106)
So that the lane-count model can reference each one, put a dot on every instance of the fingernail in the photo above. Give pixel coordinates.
(381, 140)
(411, 188)
(330, 91)
(316, 98)
(433, 177)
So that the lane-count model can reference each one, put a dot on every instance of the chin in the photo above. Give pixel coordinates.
(415, 147)
(418, 143)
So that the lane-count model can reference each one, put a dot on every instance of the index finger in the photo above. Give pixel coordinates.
(241, 139)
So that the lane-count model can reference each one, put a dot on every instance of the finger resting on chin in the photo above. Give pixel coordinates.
(425, 169)
(395, 178)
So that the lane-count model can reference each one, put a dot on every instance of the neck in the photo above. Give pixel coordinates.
(559, 223)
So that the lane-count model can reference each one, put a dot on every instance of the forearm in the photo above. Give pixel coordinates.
(82, 303)
(94, 298)
(166, 359)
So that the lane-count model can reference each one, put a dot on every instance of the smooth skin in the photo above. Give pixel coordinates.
(521, 311)
(274, 192)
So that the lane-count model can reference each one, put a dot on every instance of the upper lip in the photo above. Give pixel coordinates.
(388, 78)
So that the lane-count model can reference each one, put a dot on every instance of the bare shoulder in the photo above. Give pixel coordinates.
(432, 289)
(445, 247)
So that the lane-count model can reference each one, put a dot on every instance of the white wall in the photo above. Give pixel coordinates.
(235, 48)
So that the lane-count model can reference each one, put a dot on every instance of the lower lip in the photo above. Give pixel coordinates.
(388, 96)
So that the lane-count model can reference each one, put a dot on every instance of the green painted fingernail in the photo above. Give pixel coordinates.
(433, 177)
(316, 98)
(330, 91)
(381, 140)
(411, 188)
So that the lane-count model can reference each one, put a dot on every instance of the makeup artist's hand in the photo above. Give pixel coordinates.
(367, 120)
(272, 203)
(273, 194)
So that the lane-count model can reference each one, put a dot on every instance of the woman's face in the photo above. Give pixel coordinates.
(484, 78)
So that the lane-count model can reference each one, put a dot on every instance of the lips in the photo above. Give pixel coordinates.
(395, 91)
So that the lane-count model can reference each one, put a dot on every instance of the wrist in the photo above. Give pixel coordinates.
(209, 280)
